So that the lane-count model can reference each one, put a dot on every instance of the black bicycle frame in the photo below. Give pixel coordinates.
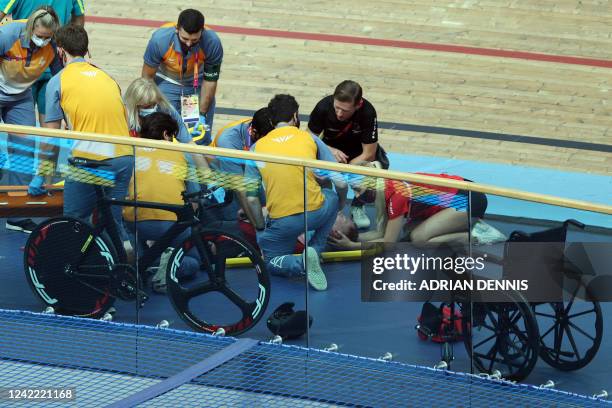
(185, 214)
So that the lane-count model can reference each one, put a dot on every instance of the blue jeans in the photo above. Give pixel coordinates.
(153, 230)
(277, 241)
(80, 198)
(173, 93)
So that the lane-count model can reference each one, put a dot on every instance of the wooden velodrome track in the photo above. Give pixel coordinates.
(539, 72)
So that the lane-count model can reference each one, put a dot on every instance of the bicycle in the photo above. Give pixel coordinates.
(80, 269)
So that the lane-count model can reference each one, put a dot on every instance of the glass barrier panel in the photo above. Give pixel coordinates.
(61, 263)
(539, 303)
(212, 256)
(385, 249)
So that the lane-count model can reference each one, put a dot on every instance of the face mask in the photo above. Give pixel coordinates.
(146, 112)
(39, 42)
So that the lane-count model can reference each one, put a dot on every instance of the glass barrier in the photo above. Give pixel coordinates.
(54, 255)
(552, 269)
(217, 258)
(376, 267)
(370, 306)
(462, 280)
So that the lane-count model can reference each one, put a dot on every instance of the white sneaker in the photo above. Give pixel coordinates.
(159, 279)
(316, 276)
(485, 234)
(360, 217)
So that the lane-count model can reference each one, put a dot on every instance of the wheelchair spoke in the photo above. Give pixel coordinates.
(581, 313)
(522, 335)
(493, 319)
(549, 330)
(581, 331)
(571, 302)
(486, 326)
(570, 336)
(485, 340)
(544, 314)
(492, 353)
(558, 339)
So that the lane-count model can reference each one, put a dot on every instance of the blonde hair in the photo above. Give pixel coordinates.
(143, 91)
(45, 17)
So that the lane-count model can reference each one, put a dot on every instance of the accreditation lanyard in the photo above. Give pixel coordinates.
(196, 70)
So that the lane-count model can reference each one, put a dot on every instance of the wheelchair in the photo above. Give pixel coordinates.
(507, 335)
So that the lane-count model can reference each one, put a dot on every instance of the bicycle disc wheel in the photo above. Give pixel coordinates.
(68, 267)
(218, 281)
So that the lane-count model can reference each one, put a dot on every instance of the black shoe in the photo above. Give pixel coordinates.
(26, 225)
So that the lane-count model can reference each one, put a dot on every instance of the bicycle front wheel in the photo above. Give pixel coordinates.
(217, 280)
(68, 267)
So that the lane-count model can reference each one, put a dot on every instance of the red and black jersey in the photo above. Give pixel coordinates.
(419, 201)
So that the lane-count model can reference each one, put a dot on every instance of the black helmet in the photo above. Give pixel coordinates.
(287, 323)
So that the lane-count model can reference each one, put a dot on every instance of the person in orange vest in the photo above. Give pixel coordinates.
(27, 49)
(185, 60)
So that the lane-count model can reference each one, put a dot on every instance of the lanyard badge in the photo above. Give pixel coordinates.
(190, 104)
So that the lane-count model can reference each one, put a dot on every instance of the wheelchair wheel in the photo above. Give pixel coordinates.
(68, 267)
(218, 281)
(571, 332)
(501, 336)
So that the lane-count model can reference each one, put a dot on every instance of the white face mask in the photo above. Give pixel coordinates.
(40, 42)
(147, 111)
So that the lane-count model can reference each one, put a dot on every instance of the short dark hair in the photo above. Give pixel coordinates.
(348, 91)
(282, 108)
(72, 38)
(261, 122)
(154, 125)
(191, 20)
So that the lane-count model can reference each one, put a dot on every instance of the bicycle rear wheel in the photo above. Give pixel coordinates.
(68, 267)
(231, 286)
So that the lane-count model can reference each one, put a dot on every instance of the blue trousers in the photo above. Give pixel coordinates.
(173, 93)
(80, 197)
(277, 241)
(153, 230)
(20, 148)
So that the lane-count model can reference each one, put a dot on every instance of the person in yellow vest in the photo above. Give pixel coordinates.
(89, 100)
(159, 177)
(284, 190)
